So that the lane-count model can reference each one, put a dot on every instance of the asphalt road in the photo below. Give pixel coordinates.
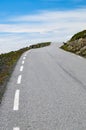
(47, 91)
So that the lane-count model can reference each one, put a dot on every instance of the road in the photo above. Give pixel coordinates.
(47, 91)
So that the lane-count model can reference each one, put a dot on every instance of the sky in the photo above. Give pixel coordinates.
(25, 22)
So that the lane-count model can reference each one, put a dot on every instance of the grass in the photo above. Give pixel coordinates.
(79, 35)
(8, 62)
(77, 44)
(39, 45)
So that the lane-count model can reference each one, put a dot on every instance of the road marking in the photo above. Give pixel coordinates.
(16, 128)
(19, 79)
(16, 101)
(24, 58)
(25, 55)
(23, 62)
(21, 68)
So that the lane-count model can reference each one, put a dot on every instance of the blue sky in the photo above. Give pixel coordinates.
(25, 7)
(24, 22)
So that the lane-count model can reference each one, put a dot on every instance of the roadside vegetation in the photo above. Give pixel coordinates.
(78, 36)
(77, 44)
(8, 62)
(39, 45)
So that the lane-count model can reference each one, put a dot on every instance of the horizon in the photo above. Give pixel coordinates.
(23, 23)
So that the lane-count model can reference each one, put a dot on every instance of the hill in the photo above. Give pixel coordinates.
(77, 44)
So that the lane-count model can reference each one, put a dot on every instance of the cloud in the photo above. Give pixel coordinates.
(48, 16)
(45, 22)
(44, 26)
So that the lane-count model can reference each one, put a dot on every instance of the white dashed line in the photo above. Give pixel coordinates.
(16, 101)
(21, 68)
(16, 128)
(23, 62)
(24, 58)
(25, 55)
(19, 79)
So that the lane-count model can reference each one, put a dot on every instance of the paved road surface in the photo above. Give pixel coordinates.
(47, 91)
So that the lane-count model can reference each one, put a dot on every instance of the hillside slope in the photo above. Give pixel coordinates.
(77, 44)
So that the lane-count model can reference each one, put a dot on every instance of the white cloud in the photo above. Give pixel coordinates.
(46, 25)
(48, 16)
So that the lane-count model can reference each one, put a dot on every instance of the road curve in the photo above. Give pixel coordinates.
(47, 91)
